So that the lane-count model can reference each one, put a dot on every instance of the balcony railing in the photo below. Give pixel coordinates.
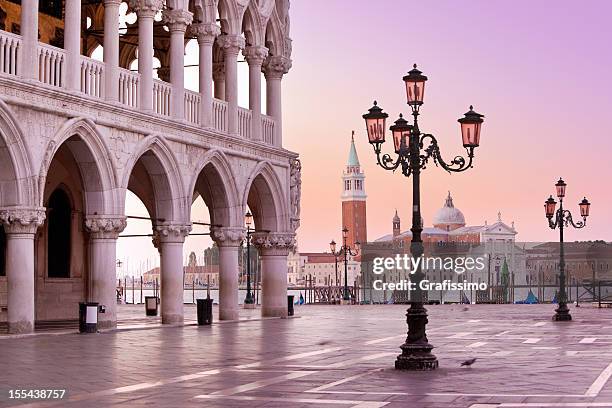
(129, 83)
(161, 97)
(10, 47)
(92, 77)
(267, 129)
(244, 123)
(51, 65)
(52, 72)
(220, 115)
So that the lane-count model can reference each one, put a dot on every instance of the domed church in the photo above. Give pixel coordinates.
(449, 226)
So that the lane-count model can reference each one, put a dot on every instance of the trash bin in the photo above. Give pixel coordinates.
(88, 317)
(204, 307)
(290, 311)
(151, 305)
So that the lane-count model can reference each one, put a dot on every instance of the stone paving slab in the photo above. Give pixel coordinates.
(332, 356)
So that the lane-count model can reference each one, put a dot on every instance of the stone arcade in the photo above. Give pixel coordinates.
(76, 134)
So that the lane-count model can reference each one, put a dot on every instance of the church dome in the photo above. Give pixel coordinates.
(448, 217)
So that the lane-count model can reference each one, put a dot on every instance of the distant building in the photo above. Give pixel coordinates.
(321, 267)
(354, 199)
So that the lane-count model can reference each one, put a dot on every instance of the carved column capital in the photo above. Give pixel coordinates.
(227, 236)
(255, 54)
(276, 66)
(146, 8)
(108, 3)
(105, 227)
(205, 32)
(171, 232)
(219, 70)
(273, 243)
(22, 220)
(231, 44)
(177, 20)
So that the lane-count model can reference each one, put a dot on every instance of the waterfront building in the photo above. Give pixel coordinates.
(76, 133)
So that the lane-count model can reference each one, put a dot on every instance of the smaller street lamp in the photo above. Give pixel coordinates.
(346, 251)
(561, 219)
(332, 247)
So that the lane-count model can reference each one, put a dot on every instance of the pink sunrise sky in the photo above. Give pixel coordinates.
(539, 71)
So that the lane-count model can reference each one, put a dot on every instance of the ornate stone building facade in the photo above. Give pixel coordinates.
(76, 134)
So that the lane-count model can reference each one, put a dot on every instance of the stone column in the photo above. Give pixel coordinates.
(111, 49)
(171, 239)
(228, 240)
(274, 69)
(206, 34)
(231, 45)
(28, 65)
(219, 79)
(103, 233)
(177, 21)
(145, 10)
(273, 250)
(72, 44)
(20, 226)
(255, 56)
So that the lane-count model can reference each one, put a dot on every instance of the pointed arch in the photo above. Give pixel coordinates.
(231, 13)
(96, 165)
(153, 174)
(255, 21)
(214, 180)
(265, 197)
(277, 35)
(17, 184)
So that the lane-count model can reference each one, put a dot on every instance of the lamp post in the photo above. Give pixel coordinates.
(332, 246)
(562, 219)
(248, 220)
(414, 150)
(345, 250)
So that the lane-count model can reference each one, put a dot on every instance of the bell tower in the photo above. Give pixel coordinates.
(354, 198)
(396, 225)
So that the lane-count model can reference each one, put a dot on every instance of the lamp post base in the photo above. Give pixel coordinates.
(562, 314)
(416, 351)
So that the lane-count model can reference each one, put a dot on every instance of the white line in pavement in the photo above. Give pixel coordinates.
(376, 341)
(538, 324)
(474, 321)
(502, 353)
(291, 357)
(477, 344)
(556, 404)
(315, 401)
(545, 348)
(342, 381)
(459, 335)
(262, 383)
(599, 382)
(587, 340)
(502, 333)
(532, 341)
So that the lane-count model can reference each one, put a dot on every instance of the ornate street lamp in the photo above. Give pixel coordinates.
(332, 247)
(346, 251)
(248, 220)
(562, 219)
(414, 150)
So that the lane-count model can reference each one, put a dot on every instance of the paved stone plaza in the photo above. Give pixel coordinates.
(327, 356)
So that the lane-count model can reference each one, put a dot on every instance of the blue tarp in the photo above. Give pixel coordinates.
(531, 299)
